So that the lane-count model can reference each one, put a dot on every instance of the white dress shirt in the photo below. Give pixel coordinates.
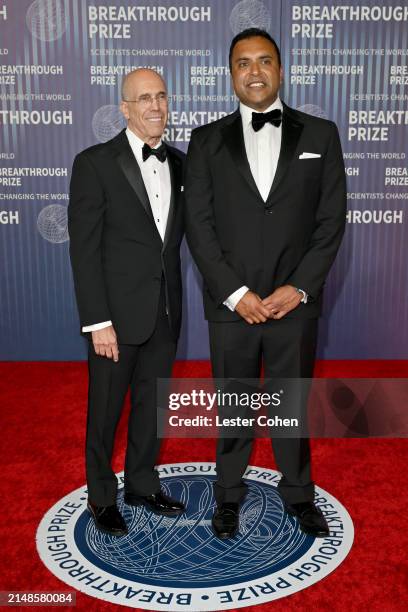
(156, 178)
(262, 147)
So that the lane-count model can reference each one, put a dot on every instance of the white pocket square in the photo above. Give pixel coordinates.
(306, 155)
(182, 188)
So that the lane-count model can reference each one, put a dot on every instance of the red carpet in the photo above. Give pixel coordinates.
(43, 426)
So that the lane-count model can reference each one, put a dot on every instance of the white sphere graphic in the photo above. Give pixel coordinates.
(249, 14)
(52, 223)
(107, 122)
(46, 19)
(313, 109)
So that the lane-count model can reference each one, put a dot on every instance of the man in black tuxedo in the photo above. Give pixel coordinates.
(265, 212)
(125, 225)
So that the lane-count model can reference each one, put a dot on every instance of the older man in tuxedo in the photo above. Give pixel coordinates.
(125, 226)
(265, 211)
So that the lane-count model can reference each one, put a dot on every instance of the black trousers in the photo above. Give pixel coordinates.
(287, 348)
(139, 366)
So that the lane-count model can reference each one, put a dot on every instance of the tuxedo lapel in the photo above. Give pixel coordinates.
(234, 139)
(131, 170)
(291, 130)
(174, 181)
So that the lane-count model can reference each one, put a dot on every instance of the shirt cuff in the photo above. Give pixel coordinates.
(232, 301)
(304, 295)
(96, 326)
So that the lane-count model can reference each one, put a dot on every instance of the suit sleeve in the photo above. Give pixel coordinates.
(314, 267)
(202, 239)
(85, 225)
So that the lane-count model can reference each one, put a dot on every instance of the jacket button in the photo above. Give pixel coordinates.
(269, 212)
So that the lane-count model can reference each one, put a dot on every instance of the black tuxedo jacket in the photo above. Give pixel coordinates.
(118, 257)
(238, 239)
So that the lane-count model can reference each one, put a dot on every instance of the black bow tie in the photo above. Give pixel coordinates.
(160, 152)
(259, 119)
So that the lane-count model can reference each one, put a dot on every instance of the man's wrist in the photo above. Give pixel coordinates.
(303, 294)
(232, 300)
(96, 326)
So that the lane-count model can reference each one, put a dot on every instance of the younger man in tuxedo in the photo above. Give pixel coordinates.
(265, 213)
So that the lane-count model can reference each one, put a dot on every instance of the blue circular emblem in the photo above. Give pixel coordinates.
(177, 563)
(183, 552)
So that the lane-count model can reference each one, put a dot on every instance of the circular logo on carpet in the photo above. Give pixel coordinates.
(177, 563)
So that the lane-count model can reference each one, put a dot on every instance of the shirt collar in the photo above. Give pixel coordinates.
(137, 143)
(246, 111)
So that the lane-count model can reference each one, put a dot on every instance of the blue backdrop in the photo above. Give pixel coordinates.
(61, 67)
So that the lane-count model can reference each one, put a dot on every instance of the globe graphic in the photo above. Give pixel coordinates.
(183, 552)
(249, 14)
(52, 223)
(313, 109)
(107, 122)
(46, 19)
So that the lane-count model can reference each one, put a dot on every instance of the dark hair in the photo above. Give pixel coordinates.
(251, 33)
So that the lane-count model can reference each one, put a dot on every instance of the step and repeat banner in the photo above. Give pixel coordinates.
(61, 66)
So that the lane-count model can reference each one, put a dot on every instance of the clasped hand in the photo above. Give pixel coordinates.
(275, 306)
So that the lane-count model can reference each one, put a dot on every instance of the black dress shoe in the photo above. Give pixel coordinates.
(311, 519)
(158, 503)
(225, 521)
(108, 519)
